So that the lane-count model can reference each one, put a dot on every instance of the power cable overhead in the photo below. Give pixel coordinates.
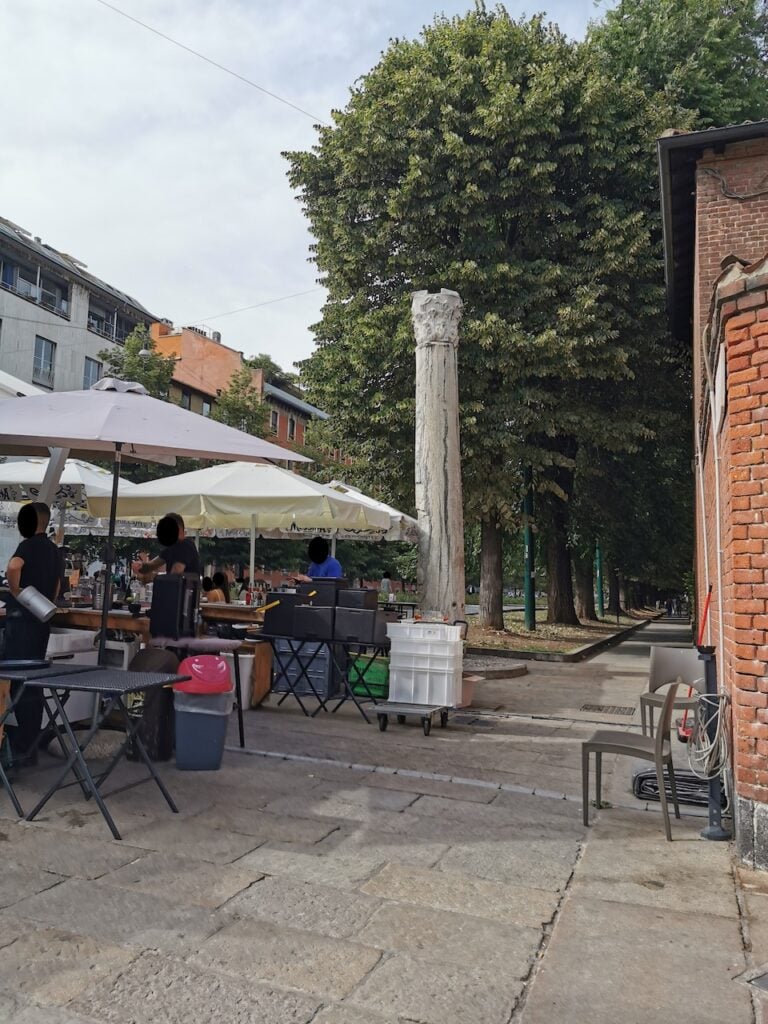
(213, 63)
(256, 305)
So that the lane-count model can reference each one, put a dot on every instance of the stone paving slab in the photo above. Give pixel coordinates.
(610, 962)
(437, 993)
(430, 787)
(50, 966)
(373, 845)
(161, 990)
(338, 1014)
(17, 881)
(60, 853)
(309, 864)
(453, 938)
(314, 908)
(210, 844)
(117, 915)
(263, 952)
(14, 1010)
(444, 890)
(183, 879)
(539, 863)
(265, 826)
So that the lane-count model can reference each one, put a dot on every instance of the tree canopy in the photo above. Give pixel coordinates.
(153, 370)
(494, 157)
(708, 57)
(239, 405)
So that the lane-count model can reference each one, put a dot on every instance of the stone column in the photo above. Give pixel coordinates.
(438, 459)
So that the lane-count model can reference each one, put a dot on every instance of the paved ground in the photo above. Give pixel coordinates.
(338, 875)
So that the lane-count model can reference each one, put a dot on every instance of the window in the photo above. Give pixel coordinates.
(186, 400)
(45, 357)
(291, 428)
(274, 421)
(206, 407)
(92, 373)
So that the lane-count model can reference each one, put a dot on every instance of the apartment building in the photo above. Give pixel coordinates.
(55, 317)
(204, 368)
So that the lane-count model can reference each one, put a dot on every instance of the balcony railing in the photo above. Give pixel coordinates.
(42, 375)
(48, 300)
(107, 330)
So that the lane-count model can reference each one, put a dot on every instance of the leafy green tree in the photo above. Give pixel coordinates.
(153, 370)
(706, 56)
(239, 405)
(488, 157)
(273, 373)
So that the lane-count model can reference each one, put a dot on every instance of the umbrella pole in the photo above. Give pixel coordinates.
(109, 554)
(252, 562)
(56, 463)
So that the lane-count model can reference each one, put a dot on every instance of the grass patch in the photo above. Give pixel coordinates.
(549, 638)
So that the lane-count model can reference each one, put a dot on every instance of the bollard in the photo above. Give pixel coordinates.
(714, 830)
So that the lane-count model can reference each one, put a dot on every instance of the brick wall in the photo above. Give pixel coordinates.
(737, 332)
(725, 225)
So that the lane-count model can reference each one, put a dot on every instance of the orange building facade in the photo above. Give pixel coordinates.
(204, 369)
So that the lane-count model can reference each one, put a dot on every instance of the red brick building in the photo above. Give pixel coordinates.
(205, 367)
(714, 187)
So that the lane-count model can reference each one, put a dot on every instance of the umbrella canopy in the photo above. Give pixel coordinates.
(242, 495)
(22, 479)
(116, 413)
(402, 527)
(261, 499)
(121, 418)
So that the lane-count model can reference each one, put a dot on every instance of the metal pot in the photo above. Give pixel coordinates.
(36, 603)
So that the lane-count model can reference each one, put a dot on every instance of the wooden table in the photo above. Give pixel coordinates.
(90, 618)
(243, 614)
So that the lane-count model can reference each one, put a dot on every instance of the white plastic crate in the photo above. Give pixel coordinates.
(416, 645)
(439, 661)
(425, 686)
(67, 641)
(423, 631)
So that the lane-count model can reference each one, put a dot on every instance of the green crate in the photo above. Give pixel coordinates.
(376, 677)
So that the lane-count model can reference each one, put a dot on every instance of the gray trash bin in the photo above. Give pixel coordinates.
(201, 729)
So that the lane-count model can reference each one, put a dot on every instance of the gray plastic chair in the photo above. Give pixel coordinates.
(671, 665)
(631, 744)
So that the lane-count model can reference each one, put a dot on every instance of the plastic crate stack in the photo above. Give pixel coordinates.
(425, 663)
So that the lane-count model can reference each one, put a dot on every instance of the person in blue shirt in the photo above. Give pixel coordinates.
(321, 564)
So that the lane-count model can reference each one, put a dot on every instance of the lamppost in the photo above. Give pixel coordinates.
(529, 561)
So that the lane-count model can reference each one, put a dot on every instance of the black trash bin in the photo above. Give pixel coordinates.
(154, 708)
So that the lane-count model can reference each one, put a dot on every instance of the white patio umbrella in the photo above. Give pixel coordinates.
(239, 496)
(22, 480)
(121, 418)
(402, 527)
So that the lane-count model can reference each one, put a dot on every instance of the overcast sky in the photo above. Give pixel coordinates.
(162, 173)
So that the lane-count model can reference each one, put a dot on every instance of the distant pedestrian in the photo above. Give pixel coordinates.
(669, 607)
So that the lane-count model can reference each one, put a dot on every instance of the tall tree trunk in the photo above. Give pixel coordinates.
(559, 582)
(614, 599)
(584, 578)
(491, 576)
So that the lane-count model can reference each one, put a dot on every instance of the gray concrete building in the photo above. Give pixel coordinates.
(55, 317)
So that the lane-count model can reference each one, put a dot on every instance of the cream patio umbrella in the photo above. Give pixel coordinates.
(119, 417)
(241, 496)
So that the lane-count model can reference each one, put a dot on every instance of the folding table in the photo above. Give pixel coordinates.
(347, 648)
(111, 684)
(24, 675)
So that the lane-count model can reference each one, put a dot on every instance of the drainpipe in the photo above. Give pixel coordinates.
(718, 530)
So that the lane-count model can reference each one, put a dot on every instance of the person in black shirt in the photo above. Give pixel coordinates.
(35, 563)
(180, 554)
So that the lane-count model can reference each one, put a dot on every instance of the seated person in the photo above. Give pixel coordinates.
(220, 586)
(322, 565)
